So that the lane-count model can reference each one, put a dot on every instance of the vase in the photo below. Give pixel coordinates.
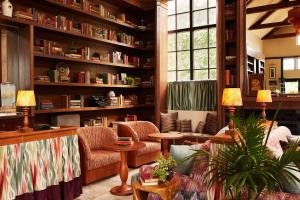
(7, 8)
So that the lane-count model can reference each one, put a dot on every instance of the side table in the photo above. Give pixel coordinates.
(165, 137)
(123, 189)
(166, 191)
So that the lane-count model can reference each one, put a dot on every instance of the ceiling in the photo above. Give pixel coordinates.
(267, 19)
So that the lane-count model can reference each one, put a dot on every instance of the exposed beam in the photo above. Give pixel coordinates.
(270, 7)
(271, 25)
(283, 35)
(261, 20)
(270, 33)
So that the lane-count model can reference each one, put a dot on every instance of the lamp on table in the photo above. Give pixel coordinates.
(25, 100)
(264, 97)
(231, 98)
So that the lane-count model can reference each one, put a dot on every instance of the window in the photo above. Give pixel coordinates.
(191, 40)
(291, 87)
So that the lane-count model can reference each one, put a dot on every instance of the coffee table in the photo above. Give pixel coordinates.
(165, 137)
(123, 189)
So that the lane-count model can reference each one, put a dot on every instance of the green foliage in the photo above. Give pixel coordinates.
(130, 81)
(164, 168)
(246, 164)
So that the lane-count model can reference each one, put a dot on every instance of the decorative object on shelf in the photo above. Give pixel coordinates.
(231, 99)
(294, 19)
(8, 97)
(256, 82)
(264, 97)
(111, 94)
(130, 80)
(26, 99)
(63, 72)
(165, 169)
(272, 73)
(96, 101)
(7, 8)
(87, 77)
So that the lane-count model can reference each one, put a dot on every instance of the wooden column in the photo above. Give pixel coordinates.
(161, 58)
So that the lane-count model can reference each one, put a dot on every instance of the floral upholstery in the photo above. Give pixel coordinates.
(100, 158)
(150, 147)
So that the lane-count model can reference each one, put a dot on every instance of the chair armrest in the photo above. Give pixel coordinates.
(126, 131)
(84, 147)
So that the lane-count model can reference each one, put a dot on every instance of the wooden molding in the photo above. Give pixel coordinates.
(270, 7)
(277, 36)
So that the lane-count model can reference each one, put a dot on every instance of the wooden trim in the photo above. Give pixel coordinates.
(283, 35)
(16, 137)
(270, 7)
(4, 68)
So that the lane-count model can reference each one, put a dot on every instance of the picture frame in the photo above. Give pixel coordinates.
(273, 83)
(272, 73)
(256, 82)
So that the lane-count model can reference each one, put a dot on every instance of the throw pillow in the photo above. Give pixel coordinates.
(179, 153)
(290, 186)
(200, 127)
(186, 126)
(168, 121)
(211, 124)
(178, 125)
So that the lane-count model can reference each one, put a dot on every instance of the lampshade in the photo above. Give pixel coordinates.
(264, 96)
(232, 97)
(25, 98)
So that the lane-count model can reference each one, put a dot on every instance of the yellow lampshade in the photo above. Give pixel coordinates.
(264, 96)
(25, 98)
(232, 97)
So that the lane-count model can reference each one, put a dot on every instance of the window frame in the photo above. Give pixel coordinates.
(191, 29)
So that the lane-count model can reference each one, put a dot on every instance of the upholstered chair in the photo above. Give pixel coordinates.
(96, 162)
(139, 131)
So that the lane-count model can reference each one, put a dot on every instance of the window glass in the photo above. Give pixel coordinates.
(183, 21)
(201, 59)
(172, 42)
(212, 16)
(172, 61)
(183, 41)
(183, 61)
(172, 76)
(183, 75)
(288, 64)
(291, 87)
(200, 75)
(199, 4)
(171, 7)
(200, 18)
(200, 39)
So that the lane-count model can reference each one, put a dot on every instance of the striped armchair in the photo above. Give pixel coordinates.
(97, 163)
(139, 131)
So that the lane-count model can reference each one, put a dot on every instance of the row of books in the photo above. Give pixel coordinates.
(46, 47)
(99, 121)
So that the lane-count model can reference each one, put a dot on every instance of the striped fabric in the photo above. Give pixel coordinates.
(168, 121)
(186, 126)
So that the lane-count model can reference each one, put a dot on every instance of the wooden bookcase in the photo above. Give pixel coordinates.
(147, 50)
(230, 49)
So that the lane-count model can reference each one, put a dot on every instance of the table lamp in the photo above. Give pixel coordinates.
(231, 99)
(25, 100)
(264, 97)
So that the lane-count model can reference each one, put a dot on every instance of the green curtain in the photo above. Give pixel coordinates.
(192, 95)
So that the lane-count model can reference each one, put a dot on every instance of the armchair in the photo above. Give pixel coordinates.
(97, 163)
(139, 131)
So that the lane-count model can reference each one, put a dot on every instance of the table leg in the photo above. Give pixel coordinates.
(165, 147)
(123, 189)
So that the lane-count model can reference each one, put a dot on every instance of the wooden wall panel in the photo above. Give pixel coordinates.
(161, 58)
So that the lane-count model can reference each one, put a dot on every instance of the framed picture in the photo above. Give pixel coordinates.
(256, 82)
(272, 73)
(273, 83)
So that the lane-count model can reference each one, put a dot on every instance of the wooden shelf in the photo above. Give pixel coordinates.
(230, 17)
(85, 85)
(85, 61)
(230, 62)
(9, 21)
(95, 16)
(84, 109)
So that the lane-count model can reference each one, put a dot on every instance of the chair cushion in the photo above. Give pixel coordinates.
(168, 121)
(150, 147)
(291, 186)
(100, 158)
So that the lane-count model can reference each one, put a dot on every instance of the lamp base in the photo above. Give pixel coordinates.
(25, 130)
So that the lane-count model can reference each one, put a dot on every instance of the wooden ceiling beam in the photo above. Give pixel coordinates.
(270, 25)
(271, 7)
(248, 2)
(261, 20)
(277, 36)
(270, 33)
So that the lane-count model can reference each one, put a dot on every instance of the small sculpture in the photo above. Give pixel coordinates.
(7, 8)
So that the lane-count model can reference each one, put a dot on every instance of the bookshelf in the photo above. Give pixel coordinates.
(230, 49)
(128, 48)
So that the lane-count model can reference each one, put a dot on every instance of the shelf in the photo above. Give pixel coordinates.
(85, 61)
(230, 62)
(230, 41)
(64, 110)
(95, 16)
(9, 21)
(230, 17)
(85, 85)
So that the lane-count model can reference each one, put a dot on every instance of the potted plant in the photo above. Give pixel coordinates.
(246, 165)
(165, 168)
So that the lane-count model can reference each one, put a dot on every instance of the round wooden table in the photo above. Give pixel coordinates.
(165, 137)
(123, 189)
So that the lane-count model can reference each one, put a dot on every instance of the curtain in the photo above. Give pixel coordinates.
(192, 95)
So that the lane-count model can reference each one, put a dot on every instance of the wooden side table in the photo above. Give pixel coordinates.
(124, 189)
(165, 137)
(166, 191)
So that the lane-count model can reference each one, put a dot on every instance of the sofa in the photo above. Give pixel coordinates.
(139, 131)
(96, 162)
(194, 185)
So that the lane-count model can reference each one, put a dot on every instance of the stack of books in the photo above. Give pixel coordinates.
(124, 141)
(76, 103)
(146, 177)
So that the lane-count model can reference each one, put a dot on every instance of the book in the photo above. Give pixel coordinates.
(124, 143)
(124, 138)
(148, 183)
